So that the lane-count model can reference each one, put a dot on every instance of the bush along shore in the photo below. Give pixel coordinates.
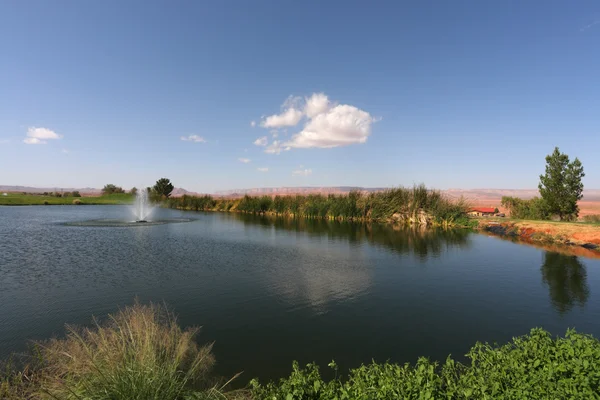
(411, 206)
(141, 353)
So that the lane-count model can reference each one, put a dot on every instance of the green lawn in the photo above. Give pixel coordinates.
(18, 199)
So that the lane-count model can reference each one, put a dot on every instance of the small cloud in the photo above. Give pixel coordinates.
(263, 169)
(275, 133)
(588, 26)
(244, 160)
(40, 135)
(30, 140)
(65, 151)
(289, 117)
(276, 147)
(302, 172)
(261, 141)
(253, 123)
(193, 138)
(245, 150)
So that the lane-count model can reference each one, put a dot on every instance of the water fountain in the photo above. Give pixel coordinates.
(142, 207)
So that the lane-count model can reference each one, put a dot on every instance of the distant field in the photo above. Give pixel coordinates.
(19, 199)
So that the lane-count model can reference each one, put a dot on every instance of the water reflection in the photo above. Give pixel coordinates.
(421, 242)
(566, 278)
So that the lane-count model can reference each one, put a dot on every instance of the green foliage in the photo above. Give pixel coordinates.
(76, 193)
(561, 185)
(163, 188)
(112, 189)
(380, 206)
(535, 208)
(133, 191)
(535, 366)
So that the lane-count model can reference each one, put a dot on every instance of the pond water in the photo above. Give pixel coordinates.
(269, 291)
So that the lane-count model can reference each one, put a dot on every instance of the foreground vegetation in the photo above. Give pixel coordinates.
(30, 199)
(141, 353)
(417, 205)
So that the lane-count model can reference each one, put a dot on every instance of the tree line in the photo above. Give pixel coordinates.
(161, 190)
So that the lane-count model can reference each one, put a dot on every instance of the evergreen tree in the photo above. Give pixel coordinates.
(561, 186)
(163, 187)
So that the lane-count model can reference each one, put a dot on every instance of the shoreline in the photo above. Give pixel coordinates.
(568, 235)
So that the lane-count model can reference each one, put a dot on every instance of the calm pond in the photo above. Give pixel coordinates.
(269, 291)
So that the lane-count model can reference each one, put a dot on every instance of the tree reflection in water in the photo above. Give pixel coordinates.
(566, 278)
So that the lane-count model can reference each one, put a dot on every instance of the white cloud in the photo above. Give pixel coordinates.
(253, 123)
(326, 124)
(65, 151)
(289, 117)
(263, 169)
(193, 138)
(40, 135)
(261, 141)
(244, 160)
(316, 104)
(30, 140)
(343, 125)
(276, 147)
(302, 172)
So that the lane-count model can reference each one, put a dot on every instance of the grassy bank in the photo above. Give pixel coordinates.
(141, 353)
(583, 234)
(19, 199)
(417, 206)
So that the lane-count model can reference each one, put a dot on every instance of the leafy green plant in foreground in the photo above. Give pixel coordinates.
(535, 366)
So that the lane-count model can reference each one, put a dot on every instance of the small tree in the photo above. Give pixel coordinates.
(111, 189)
(163, 187)
(76, 193)
(561, 186)
(133, 191)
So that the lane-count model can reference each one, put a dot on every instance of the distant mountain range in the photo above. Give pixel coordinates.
(475, 196)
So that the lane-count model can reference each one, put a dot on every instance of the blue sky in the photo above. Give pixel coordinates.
(455, 94)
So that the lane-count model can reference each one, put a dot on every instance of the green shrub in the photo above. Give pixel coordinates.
(535, 366)
(139, 353)
(535, 208)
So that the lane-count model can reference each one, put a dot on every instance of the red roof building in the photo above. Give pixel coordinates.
(481, 211)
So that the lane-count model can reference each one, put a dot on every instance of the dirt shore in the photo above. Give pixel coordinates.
(580, 236)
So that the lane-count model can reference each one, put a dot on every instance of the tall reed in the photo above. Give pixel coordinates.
(378, 206)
